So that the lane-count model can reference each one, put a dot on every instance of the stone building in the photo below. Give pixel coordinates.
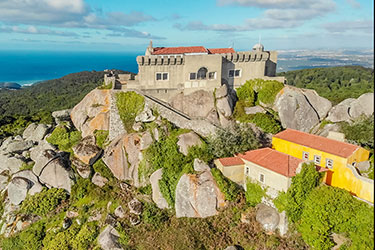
(164, 72)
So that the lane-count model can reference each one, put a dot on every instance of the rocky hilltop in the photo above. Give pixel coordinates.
(120, 166)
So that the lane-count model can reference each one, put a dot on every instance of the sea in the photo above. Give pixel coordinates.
(29, 67)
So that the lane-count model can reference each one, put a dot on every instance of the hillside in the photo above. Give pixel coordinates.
(50, 95)
(334, 83)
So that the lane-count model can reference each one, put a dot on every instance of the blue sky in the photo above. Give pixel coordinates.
(122, 25)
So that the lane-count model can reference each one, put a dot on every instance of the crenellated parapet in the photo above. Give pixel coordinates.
(153, 60)
(247, 56)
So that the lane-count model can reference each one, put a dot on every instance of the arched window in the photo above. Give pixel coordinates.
(202, 73)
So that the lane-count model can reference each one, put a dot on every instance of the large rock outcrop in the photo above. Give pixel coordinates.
(108, 239)
(124, 154)
(350, 109)
(35, 132)
(300, 109)
(93, 112)
(87, 151)
(197, 195)
(188, 140)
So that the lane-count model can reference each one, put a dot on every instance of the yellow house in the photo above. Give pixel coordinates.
(339, 157)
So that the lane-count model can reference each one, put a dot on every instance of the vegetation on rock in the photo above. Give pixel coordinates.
(43, 202)
(101, 137)
(226, 186)
(237, 139)
(360, 132)
(129, 105)
(64, 138)
(254, 193)
(334, 83)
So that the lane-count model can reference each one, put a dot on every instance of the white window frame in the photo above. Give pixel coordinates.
(247, 171)
(307, 154)
(260, 179)
(162, 74)
(329, 163)
(234, 73)
(213, 72)
(317, 159)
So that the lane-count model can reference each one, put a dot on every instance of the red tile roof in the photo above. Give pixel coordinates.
(273, 160)
(324, 144)
(231, 161)
(179, 50)
(221, 51)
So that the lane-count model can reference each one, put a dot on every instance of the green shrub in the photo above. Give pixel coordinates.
(63, 138)
(226, 186)
(154, 216)
(26, 166)
(268, 90)
(105, 86)
(129, 105)
(61, 240)
(86, 236)
(254, 193)
(146, 190)
(302, 184)
(246, 94)
(330, 210)
(101, 137)
(281, 202)
(360, 132)
(43, 202)
(266, 122)
(100, 167)
(81, 188)
(229, 141)
(28, 239)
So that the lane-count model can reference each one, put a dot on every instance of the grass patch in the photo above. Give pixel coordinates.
(64, 139)
(100, 167)
(101, 137)
(129, 105)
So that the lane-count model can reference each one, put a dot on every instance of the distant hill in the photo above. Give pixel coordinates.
(50, 95)
(9, 85)
(333, 83)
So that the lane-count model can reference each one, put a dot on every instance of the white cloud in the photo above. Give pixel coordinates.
(365, 26)
(65, 14)
(281, 4)
(35, 31)
(354, 4)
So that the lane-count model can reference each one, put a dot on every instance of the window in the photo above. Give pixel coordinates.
(329, 163)
(247, 170)
(261, 178)
(163, 76)
(305, 156)
(317, 159)
(234, 73)
(193, 76)
(212, 75)
(202, 73)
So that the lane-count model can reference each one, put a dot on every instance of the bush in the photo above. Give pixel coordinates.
(302, 184)
(254, 193)
(100, 138)
(361, 132)
(100, 167)
(268, 90)
(266, 122)
(246, 94)
(154, 216)
(43, 202)
(237, 139)
(105, 86)
(81, 188)
(29, 239)
(86, 236)
(129, 105)
(64, 139)
(226, 186)
(61, 240)
(281, 202)
(330, 210)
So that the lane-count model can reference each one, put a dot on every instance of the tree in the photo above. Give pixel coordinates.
(302, 184)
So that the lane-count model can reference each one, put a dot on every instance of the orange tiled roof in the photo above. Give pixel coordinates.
(221, 51)
(179, 50)
(324, 144)
(273, 160)
(231, 161)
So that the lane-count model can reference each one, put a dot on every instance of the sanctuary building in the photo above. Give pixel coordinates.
(164, 72)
